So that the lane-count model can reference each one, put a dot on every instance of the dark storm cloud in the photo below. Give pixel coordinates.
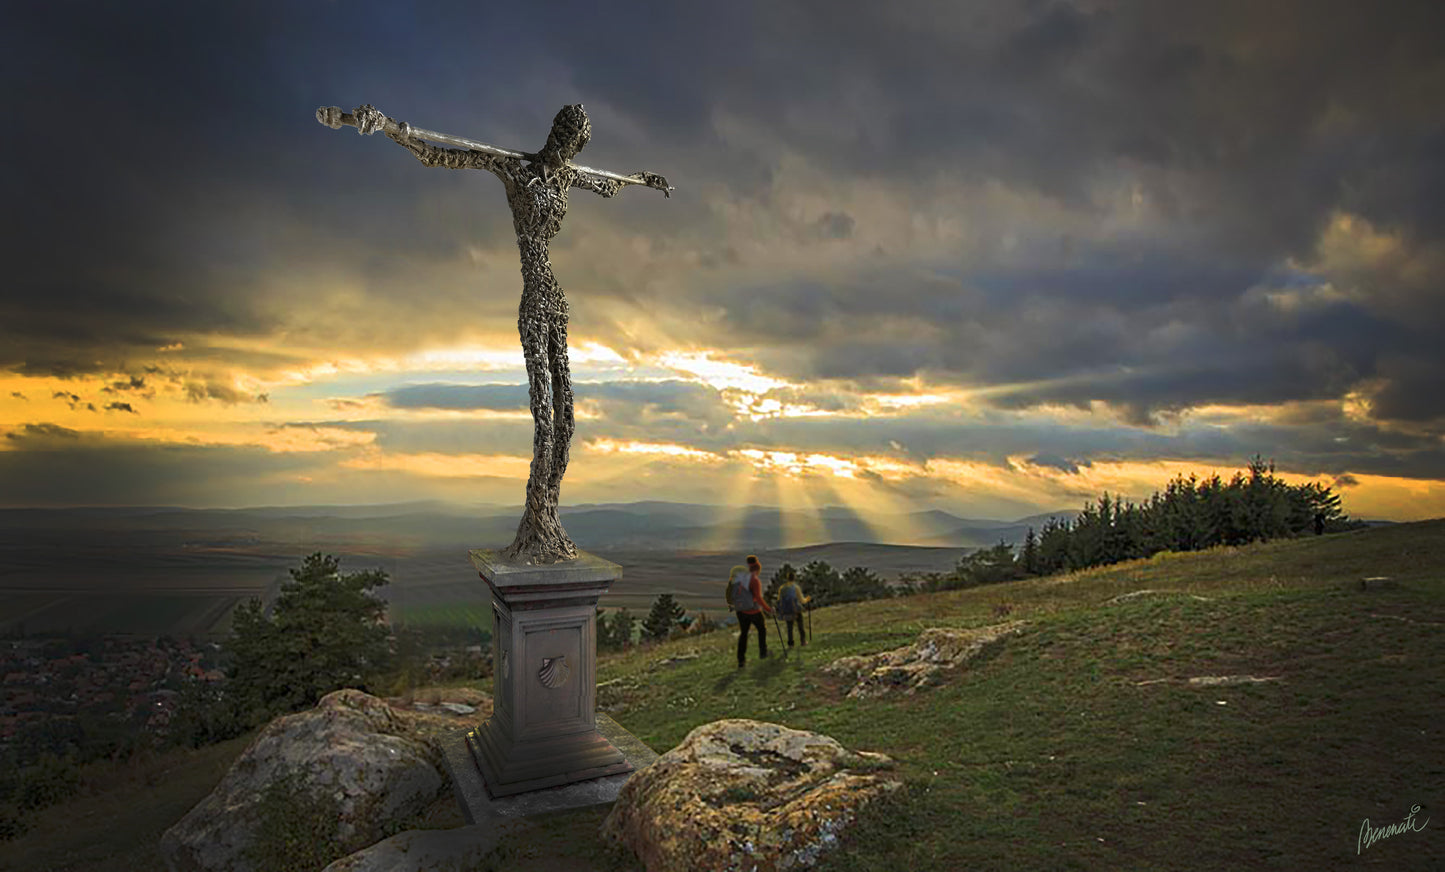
(458, 397)
(99, 473)
(1244, 127)
(41, 433)
(1063, 464)
(133, 383)
(192, 181)
(650, 405)
(1328, 448)
(666, 411)
(480, 436)
(1328, 445)
(198, 392)
(835, 225)
(73, 400)
(625, 397)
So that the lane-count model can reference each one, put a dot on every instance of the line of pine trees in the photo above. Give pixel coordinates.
(1189, 515)
(666, 619)
(827, 586)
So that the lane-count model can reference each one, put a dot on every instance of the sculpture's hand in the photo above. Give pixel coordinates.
(653, 180)
(330, 116)
(369, 119)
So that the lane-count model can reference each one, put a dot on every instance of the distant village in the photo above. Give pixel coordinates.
(121, 678)
(136, 680)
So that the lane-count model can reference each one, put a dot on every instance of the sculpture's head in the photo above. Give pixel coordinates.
(570, 132)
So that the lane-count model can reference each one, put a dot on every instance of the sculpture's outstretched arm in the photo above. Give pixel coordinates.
(369, 119)
(453, 158)
(609, 187)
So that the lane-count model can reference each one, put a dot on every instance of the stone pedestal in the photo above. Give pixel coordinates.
(543, 729)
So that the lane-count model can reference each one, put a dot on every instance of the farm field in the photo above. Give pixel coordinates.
(166, 575)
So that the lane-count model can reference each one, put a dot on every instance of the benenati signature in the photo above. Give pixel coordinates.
(1370, 835)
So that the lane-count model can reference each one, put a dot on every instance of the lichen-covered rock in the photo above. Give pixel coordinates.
(741, 795)
(352, 746)
(454, 850)
(921, 664)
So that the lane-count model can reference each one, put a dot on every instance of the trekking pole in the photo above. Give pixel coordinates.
(781, 646)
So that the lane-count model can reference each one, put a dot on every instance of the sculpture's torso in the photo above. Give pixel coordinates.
(538, 205)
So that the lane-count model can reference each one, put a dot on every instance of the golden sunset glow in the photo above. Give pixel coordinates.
(836, 308)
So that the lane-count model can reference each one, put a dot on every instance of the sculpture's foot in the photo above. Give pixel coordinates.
(540, 551)
(540, 538)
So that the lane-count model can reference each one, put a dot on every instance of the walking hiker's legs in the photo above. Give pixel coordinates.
(802, 636)
(790, 632)
(744, 621)
(762, 635)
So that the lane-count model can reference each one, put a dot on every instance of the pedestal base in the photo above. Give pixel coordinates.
(510, 766)
(478, 804)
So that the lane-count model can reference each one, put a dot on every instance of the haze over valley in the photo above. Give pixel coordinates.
(159, 570)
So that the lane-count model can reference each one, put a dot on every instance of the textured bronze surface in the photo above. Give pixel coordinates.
(537, 187)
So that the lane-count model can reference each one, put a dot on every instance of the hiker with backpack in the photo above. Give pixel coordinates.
(791, 604)
(745, 596)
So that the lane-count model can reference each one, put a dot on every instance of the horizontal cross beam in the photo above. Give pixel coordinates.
(333, 117)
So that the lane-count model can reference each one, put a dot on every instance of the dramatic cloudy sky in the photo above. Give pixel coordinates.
(991, 257)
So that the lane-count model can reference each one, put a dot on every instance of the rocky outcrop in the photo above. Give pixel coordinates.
(1228, 680)
(1212, 680)
(457, 849)
(1138, 594)
(745, 795)
(352, 747)
(921, 664)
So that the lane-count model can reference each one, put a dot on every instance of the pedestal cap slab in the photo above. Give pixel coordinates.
(579, 581)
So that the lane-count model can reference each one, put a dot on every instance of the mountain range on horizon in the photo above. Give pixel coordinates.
(644, 525)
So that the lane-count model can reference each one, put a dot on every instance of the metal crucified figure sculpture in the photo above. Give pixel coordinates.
(537, 186)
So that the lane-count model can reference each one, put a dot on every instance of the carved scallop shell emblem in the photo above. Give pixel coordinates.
(554, 672)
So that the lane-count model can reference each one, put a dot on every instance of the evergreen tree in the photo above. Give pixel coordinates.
(614, 631)
(822, 582)
(664, 616)
(604, 629)
(859, 583)
(1054, 546)
(325, 632)
(623, 624)
(1029, 556)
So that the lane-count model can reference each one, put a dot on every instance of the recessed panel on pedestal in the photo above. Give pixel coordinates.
(553, 674)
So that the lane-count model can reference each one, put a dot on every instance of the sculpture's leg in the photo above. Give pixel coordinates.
(563, 424)
(540, 537)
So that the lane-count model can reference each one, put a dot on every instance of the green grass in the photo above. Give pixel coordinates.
(1048, 753)
(117, 821)
(450, 615)
(147, 614)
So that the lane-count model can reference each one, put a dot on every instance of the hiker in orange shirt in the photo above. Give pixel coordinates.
(748, 600)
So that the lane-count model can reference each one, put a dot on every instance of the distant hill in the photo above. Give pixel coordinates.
(646, 525)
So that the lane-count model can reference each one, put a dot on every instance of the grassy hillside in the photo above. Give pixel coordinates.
(1064, 750)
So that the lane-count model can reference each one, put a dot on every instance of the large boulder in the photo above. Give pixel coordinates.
(454, 850)
(744, 795)
(921, 664)
(352, 747)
